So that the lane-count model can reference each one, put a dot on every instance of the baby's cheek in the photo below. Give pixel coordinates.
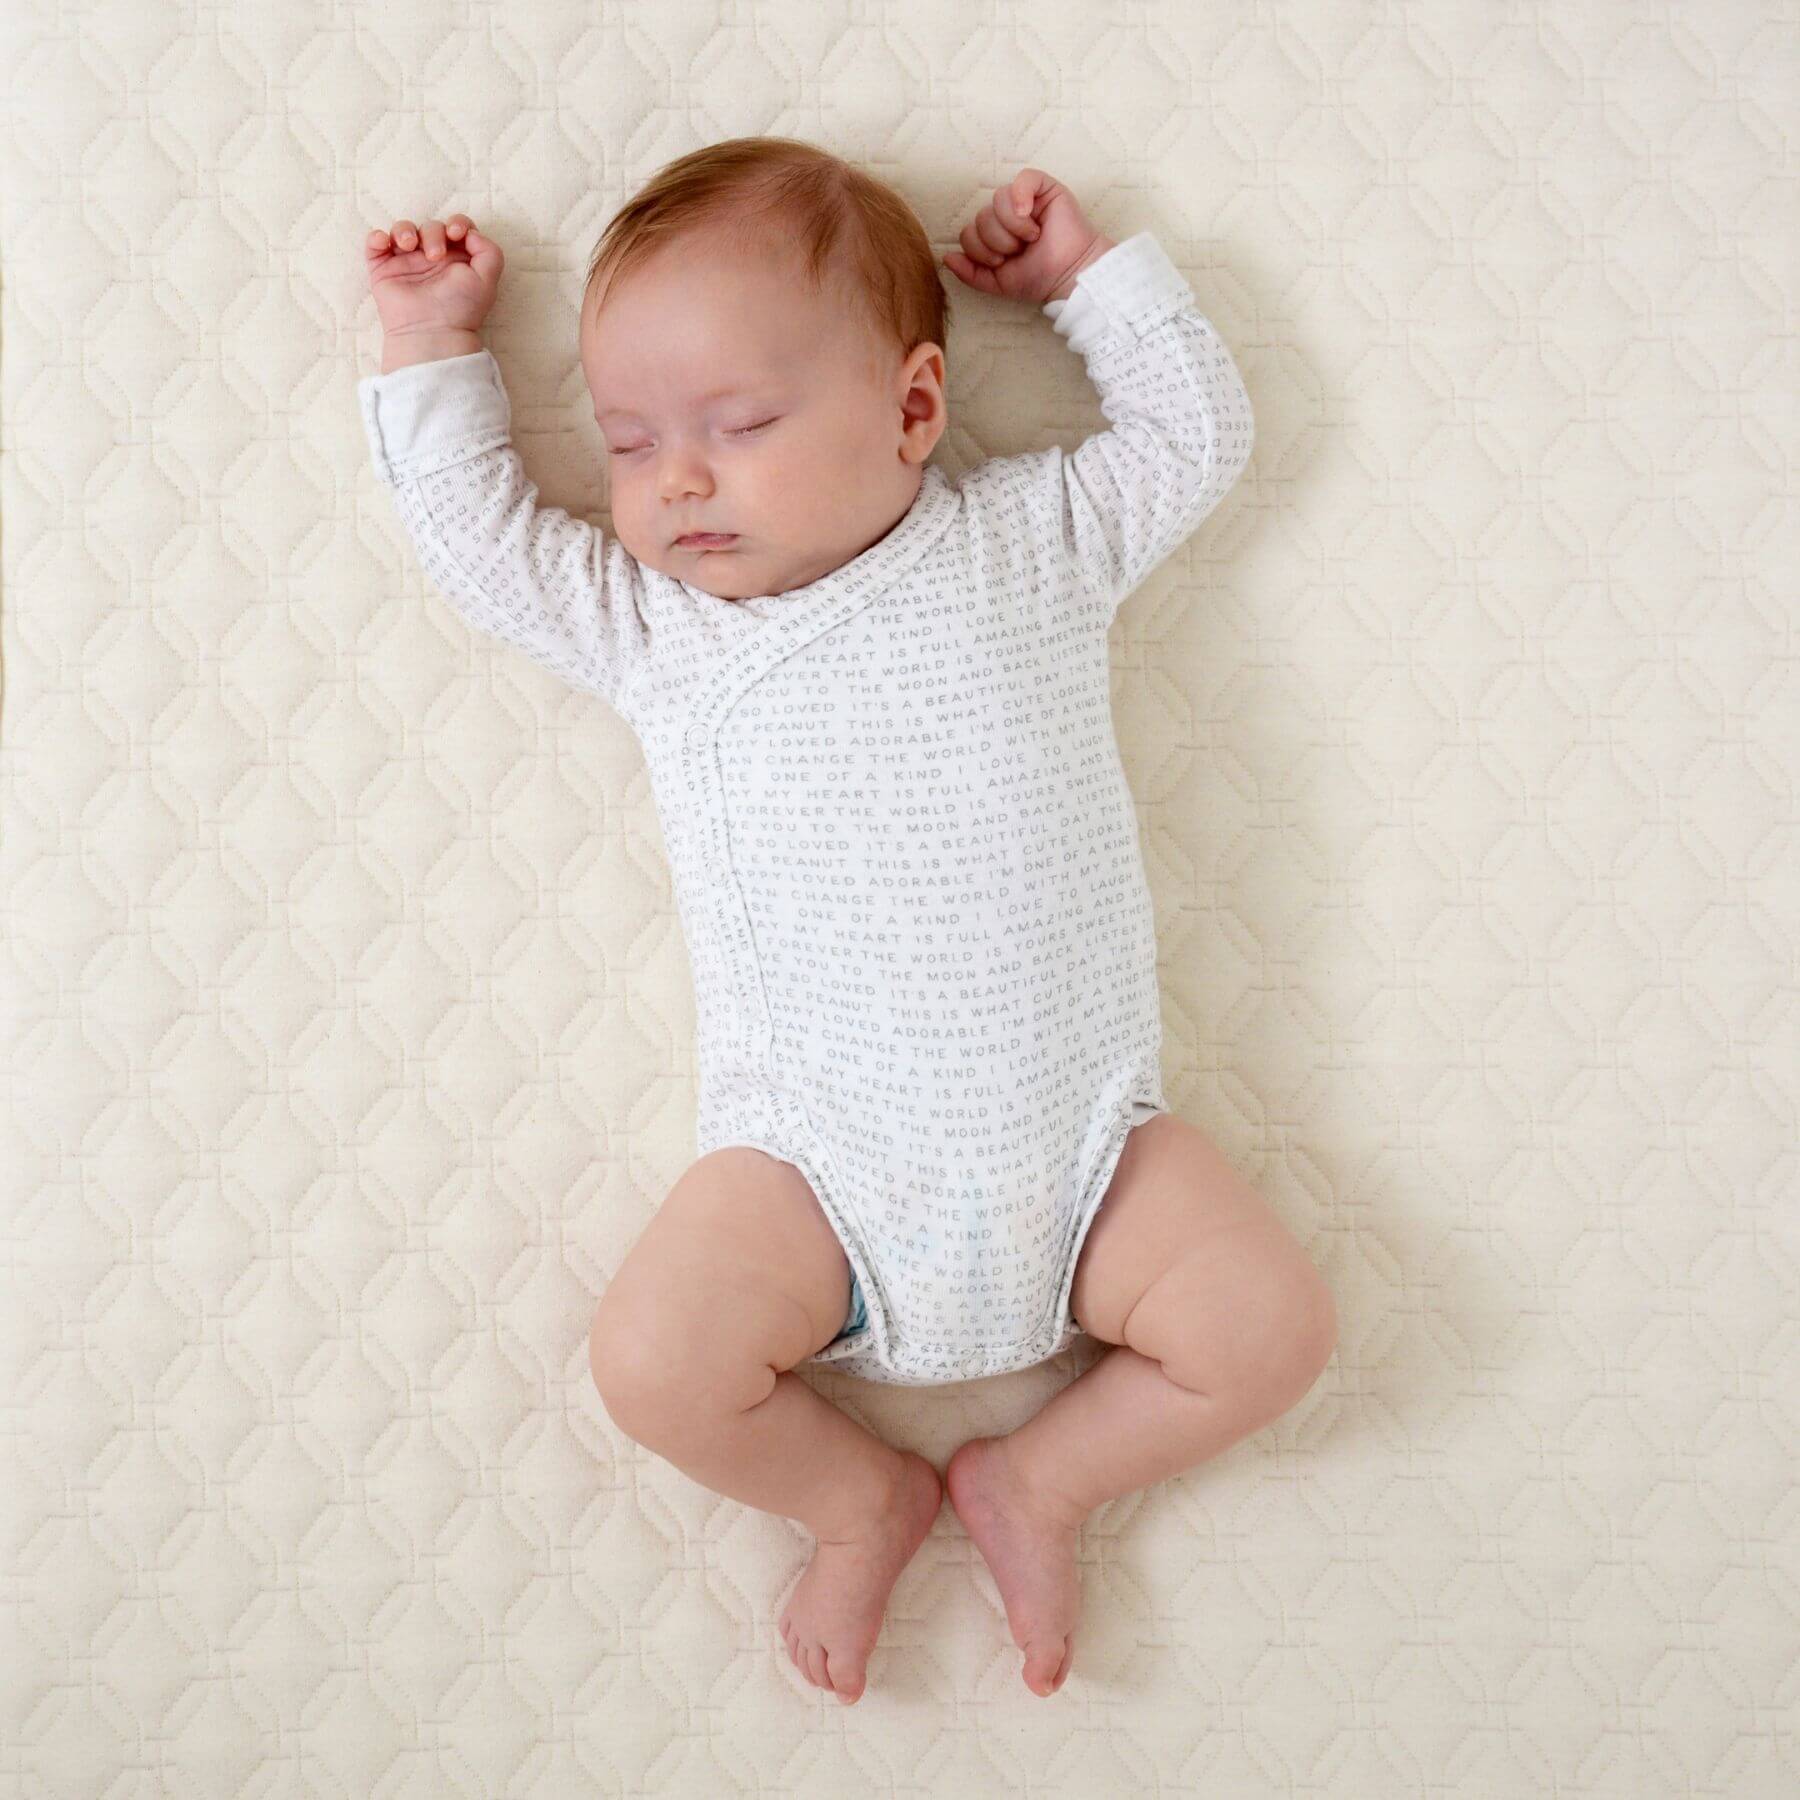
(628, 527)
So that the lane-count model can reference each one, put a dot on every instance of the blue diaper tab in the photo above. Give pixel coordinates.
(859, 1315)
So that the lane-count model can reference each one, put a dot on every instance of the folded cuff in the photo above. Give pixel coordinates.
(431, 415)
(1120, 296)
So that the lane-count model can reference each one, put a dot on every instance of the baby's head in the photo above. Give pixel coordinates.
(767, 267)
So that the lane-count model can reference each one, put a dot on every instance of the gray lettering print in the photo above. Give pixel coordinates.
(902, 845)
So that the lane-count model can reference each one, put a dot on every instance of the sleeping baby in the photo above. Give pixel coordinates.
(874, 704)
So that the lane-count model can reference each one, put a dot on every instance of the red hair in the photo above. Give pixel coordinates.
(783, 192)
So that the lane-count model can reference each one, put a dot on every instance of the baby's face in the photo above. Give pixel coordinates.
(816, 451)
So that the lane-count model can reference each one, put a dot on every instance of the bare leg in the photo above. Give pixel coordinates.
(1221, 1325)
(738, 1277)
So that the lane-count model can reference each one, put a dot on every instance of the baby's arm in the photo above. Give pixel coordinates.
(1180, 414)
(439, 426)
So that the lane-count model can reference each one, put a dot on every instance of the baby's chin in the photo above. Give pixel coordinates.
(732, 574)
(725, 573)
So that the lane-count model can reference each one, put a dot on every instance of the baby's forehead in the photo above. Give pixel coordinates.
(625, 368)
(757, 303)
(706, 358)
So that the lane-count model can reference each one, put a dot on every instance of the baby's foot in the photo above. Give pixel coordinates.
(1029, 1545)
(834, 1617)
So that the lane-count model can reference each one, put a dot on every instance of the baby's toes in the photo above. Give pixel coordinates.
(847, 1675)
(1046, 1662)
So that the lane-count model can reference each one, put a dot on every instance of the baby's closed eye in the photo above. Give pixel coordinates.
(737, 431)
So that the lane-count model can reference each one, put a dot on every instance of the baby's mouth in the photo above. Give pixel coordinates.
(706, 540)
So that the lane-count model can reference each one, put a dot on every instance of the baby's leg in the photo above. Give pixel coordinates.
(737, 1277)
(1221, 1324)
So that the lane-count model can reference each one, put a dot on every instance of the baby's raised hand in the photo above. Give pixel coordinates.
(1029, 243)
(442, 277)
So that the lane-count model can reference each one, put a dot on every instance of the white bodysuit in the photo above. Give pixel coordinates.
(902, 846)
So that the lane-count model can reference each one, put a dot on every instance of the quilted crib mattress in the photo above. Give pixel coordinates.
(348, 1032)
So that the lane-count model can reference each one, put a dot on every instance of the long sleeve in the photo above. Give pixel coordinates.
(1180, 416)
(556, 587)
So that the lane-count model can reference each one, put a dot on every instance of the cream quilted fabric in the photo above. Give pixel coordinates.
(348, 1035)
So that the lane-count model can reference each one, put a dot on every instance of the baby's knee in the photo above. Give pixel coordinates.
(1283, 1354)
(626, 1356)
(656, 1367)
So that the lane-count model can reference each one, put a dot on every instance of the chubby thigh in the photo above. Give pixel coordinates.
(738, 1271)
(1188, 1265)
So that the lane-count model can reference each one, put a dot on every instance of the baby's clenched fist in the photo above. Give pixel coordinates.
(438, 278)
(1029, 242)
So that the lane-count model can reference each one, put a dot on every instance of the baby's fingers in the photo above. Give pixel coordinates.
(1013, 212)
(977, 248)
(487, 258)
(965, 269)
(382, 243)
(995, 235)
